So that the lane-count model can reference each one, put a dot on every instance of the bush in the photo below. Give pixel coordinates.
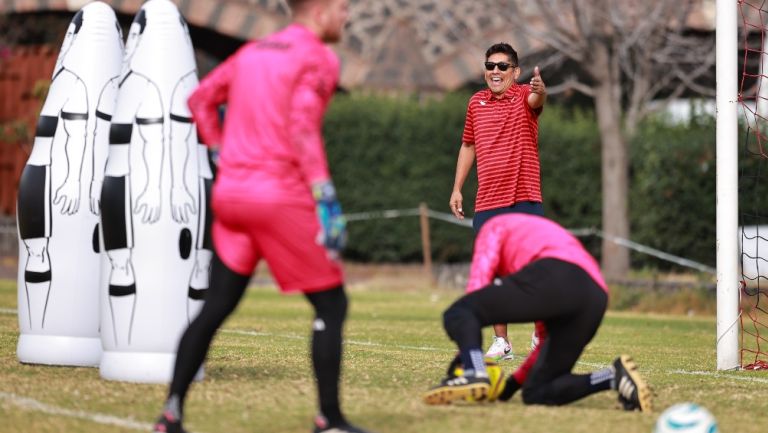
(672, 198)
(393, 153)
(390, 153)
(569, 151)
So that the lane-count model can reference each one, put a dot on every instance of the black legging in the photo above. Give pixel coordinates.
(226, 289)
(560, 294)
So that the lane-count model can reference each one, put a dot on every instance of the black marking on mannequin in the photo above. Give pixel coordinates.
(115, 290)
(120, 133)
(95, 239)
(196, 294)
(149, 120)
(185, 243)
(46, 126)
(37, 277)
(31, 205)
(182, 119)
(74, 116)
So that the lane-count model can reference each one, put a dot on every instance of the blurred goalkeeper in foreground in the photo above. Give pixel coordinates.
(526, 268)
(273, 198)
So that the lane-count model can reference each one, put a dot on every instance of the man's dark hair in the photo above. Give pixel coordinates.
(505, 48)
(78, 21)
(296, 4)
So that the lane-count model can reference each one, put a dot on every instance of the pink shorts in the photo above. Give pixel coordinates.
(282, 234)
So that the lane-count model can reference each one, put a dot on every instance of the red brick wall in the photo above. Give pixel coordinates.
(18, 75)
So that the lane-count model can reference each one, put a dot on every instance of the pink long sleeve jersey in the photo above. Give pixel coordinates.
(509, 242)
(276, 90)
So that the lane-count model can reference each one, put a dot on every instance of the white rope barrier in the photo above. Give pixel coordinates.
(582, 232)
(381, 214)
(8, 230)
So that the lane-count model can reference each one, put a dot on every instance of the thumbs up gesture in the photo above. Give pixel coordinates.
(537, 84)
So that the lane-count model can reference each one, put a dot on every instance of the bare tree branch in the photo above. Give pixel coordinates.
(552, 36)
(634, 52)
(551, 11)
(648, 24)
(571, 83)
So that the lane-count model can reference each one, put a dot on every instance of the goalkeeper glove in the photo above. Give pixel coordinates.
(333, 225)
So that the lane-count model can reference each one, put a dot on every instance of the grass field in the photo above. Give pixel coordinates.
(258, 375)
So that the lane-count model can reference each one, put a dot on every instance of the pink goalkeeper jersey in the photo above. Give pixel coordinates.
(509, 242)
(276, 90)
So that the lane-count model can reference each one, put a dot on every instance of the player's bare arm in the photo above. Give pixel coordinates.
(463, 165)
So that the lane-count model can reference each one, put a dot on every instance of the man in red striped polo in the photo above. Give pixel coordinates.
(501, 132)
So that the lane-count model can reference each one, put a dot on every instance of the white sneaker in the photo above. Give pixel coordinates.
(500, 350)
(534, 340)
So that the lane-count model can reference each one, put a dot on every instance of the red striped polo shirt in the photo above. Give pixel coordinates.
(505, 135)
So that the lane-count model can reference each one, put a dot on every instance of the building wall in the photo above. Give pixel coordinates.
(25, 69)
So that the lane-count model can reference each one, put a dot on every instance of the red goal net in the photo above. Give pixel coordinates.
(753, 183)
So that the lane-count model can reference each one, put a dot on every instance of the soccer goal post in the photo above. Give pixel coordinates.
(728, 324)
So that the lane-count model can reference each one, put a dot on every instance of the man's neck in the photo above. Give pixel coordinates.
(495, 95)
(309, 24)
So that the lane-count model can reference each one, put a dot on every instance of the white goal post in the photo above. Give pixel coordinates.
(728, 324)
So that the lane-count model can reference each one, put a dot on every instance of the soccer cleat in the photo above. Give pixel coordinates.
(322, 426)
(634, 393)
(167, 423)
(470, 388)
(500, 350)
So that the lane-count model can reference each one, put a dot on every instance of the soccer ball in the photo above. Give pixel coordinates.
(686, 418)
(495, 376)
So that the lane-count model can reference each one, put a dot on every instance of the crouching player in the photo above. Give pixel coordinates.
(526, 268)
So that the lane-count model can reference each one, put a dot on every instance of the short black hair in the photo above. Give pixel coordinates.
(505, 48)
(78, 20)
(295, 4)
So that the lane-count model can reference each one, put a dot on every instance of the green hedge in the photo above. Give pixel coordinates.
(393, 153)
(569, 150)
(672, 201)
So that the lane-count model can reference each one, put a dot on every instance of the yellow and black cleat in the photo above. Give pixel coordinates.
(468, 388)
(634, 393)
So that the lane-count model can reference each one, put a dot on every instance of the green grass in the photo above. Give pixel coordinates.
(258, 376)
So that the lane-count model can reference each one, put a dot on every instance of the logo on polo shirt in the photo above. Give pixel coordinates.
(482, 102)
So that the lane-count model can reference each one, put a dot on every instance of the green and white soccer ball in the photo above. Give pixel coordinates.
(686, 418)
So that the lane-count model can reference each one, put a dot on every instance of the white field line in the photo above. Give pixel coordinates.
(720, 375)
(713, 374)
(99, 418)
(346, 341)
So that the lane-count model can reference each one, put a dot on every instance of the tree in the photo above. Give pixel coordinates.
(627, 54)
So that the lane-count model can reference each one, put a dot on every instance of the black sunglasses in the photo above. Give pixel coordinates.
(503, 66)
